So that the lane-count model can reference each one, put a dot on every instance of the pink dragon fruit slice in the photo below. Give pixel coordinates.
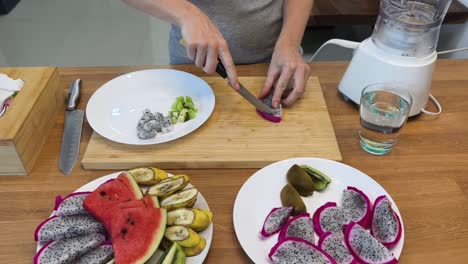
(365, 248)
(297, 251)
(67, 250)
(356, 207)
(58, 227)
(335, 248)
(386, 225)
(100, 255)
(300, 226)
(329, 218)
(71, 205)
(275, 220)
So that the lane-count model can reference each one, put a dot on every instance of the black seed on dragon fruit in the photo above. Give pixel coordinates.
(365, 248)
(329, 218)
(71, 204)
(59, 227)
(300, 226)
(275, 220)
(333, 246)
(385, 225)
(298, 251)
(356, 207)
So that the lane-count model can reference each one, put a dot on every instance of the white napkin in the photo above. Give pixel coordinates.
(8, 87)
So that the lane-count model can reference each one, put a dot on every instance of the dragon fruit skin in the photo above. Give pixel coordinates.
(353, 201)
(356, 237)
(101, 255)
(67, 250)
(328, 217)
(286, 252)
(333, 246)
(392, 216)
(58, 227)
(300, 226)
(72, 204)
(275, 220)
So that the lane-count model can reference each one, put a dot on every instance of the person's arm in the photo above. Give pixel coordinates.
(203, 41)
(287, 62)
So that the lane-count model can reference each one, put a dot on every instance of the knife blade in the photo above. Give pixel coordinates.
(71, 137)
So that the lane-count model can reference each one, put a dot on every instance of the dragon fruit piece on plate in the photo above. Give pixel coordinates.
(300, 226)
(71, 205)
(356, 206)
(329, 218)
(67, 250)
(365, 248)
(293, 250)
(58, 227)
(336, 249)
(385, 224)
(101, 255)
(275, 220)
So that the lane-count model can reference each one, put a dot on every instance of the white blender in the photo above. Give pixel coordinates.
(401, 51)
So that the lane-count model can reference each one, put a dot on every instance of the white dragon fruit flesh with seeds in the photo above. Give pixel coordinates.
(275, 220)
(333, 246)
(100, 255)
(365, 248)
(385, 224)
(329, 218)
(68, 250)
(298, 251)
(356, 206)
(58, 227)
(71, 205)
(300, 226)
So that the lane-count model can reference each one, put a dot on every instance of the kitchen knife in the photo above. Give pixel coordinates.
(72, 130)
(245, 93)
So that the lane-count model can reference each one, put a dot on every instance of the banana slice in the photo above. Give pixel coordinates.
(169, 186)
(202, 219)
(160, 174)
(195, 219)
(185, 198)
(184, 236)
(144, 176)
(193, 251)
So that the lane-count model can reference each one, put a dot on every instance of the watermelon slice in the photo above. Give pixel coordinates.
(110, 194)
(109, 215)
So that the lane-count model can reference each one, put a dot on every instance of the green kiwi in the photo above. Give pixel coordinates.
(300, 180)
(290, 197)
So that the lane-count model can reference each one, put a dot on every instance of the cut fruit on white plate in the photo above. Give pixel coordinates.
(201, 203)
(114, 110)
(261, 192)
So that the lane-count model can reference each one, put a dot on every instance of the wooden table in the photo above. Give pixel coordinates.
(426, 174)
(364, 12)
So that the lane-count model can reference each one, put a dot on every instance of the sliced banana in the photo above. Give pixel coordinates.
(195, 219)
(184, 236)
(202, 219)
(144, 176)
(169, 186)
(185, 198)
(160, 174)
(193, 251)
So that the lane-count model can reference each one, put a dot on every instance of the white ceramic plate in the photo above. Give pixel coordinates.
(201, 203)
(114, 109)
(261, 193)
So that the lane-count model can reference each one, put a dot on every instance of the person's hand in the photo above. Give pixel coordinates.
(286, 64)
(205, 44)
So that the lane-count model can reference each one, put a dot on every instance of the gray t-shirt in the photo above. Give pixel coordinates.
(251, 29)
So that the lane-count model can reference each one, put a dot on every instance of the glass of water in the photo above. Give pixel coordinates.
(384, 110)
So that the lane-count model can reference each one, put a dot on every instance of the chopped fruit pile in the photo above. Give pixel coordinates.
(183, 110)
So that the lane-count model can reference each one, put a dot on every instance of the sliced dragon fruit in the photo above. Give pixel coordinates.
(356, 206)
(100, 255)
(58, 227)
(67, 250)
(329, 218)
(333, 246)
(385, 225)
(300, 226)
(297, 251)
(275, 220)
(365, 248)
(71, 205)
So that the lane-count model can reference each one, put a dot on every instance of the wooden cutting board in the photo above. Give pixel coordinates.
(233, 137)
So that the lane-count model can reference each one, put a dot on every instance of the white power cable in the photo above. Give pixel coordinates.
(452, 50)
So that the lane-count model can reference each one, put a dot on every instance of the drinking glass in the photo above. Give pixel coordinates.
(384, 110)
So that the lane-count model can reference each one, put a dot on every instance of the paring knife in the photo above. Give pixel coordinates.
(245, 93)
(72, 130)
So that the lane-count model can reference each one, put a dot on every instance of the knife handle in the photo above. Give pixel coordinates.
(74, 95)
(221, 70)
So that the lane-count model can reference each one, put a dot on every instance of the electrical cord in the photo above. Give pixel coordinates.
(452, 50)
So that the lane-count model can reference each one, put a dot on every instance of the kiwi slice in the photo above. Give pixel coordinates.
(185, 198)
(300, 180)
(290, 197)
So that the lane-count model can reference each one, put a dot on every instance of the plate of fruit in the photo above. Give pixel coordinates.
(143, 215)
(311, 210)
